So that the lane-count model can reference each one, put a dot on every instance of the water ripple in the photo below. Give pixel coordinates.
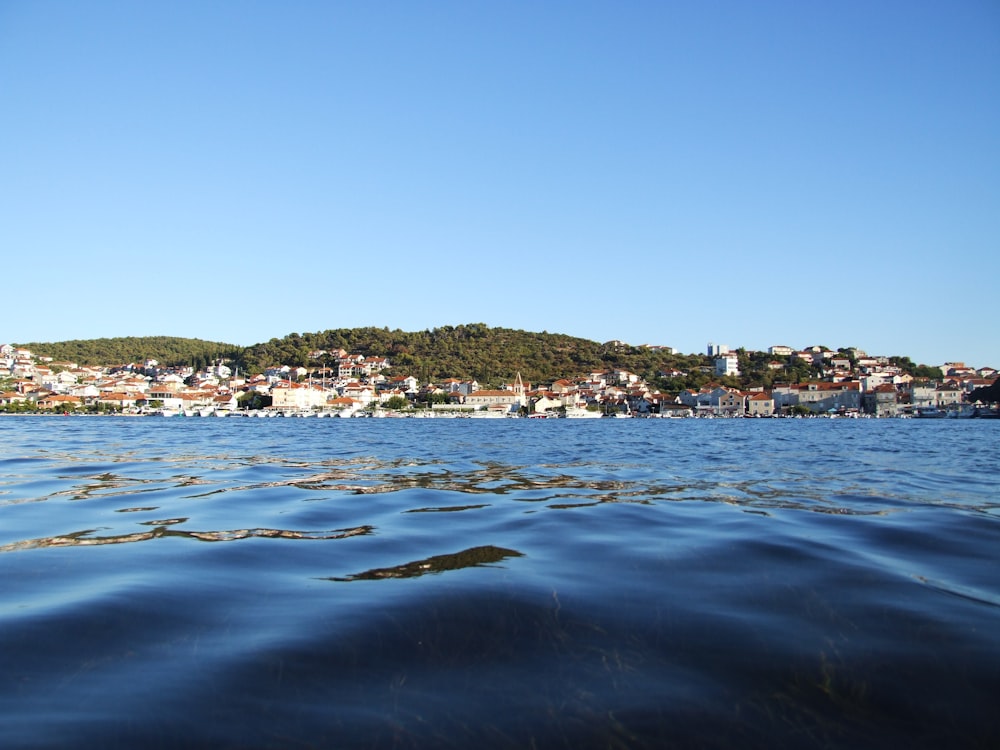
(88, 537)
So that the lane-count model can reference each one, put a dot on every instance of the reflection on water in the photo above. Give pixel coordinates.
(87, 538)
(469, 558)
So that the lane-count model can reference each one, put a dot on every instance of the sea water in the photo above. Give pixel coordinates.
(366, 583)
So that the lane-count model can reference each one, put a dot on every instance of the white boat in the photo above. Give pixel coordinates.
(579, 412)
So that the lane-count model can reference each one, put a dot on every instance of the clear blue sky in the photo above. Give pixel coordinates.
(748, 173)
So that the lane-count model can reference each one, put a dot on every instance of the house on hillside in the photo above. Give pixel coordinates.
(488, 397)
(948, 395)
(344, 404)
(727, 364)
(119, 400)
(544, 402)
(225, 401)
(760, 405)
(58, 382)
(58, 401)
(359, 392)
(406, 383)
(883, 401)
(563, 386)
(730, 404)
(12, 397)
(818, 396)
(285, 395)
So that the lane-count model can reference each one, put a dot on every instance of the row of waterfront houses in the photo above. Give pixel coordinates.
(346, 383)
(821, 397)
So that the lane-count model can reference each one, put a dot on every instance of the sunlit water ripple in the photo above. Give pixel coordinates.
(504, 583)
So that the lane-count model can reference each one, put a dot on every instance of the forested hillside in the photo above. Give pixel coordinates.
(473, 351)
(167, 350)
(489, 355)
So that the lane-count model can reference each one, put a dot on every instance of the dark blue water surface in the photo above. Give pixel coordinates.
(499, 583)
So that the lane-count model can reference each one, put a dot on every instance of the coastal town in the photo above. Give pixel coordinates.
(849, 383)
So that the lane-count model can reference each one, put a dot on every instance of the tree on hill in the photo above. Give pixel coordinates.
(397, 402)
(917, 371)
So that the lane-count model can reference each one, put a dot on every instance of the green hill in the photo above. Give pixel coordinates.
(472, 351)
(167, 350)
